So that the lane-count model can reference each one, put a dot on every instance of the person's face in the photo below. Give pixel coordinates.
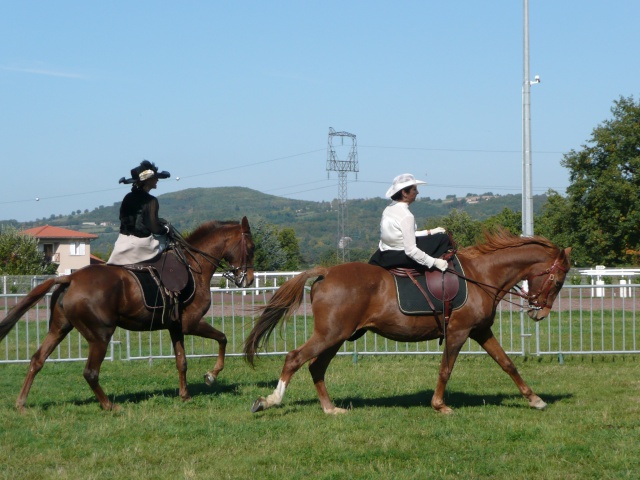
(153, 183)
(410, 197)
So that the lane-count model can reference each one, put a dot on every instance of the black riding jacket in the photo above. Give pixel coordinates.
(139, 215)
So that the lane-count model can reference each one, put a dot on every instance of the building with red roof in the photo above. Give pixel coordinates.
(70, 249)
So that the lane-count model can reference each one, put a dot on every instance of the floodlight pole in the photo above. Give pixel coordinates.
(527, 183)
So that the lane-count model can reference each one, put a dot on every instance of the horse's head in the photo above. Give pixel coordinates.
(545, 286)
(239, 256)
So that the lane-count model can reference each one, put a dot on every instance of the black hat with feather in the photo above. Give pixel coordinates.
(144, 171)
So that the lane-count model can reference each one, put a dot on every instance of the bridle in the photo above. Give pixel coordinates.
(545, 288)
(229, 270)
(532, 299)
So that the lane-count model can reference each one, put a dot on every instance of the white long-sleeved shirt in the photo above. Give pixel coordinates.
(398, 232)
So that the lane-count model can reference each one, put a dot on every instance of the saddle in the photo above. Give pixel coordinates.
(431, 292)
(165, 282)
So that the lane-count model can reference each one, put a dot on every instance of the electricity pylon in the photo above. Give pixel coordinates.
(342, 166)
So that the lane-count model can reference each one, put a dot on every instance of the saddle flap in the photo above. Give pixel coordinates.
(172, 271)
(443, 287)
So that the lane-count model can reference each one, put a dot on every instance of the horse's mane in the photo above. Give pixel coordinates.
(206, 229)
(501, 239)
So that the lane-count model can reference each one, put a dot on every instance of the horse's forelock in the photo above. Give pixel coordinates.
(502, 239)
(205, 230)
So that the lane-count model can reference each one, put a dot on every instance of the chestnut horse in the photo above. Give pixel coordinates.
(98, 298)
(351, 298)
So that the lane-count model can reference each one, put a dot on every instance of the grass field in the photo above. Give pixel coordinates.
(590, 429)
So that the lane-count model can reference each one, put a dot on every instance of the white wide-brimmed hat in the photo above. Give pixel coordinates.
(402, 181)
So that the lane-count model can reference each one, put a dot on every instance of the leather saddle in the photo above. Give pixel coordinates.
(431, 292)
(165, 281)
(428, 292)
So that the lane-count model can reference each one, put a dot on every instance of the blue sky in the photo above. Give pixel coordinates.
(242, 93)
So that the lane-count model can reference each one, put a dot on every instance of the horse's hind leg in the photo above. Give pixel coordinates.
(58, 329)
(318, 368)
(489, 342)
(312, 348)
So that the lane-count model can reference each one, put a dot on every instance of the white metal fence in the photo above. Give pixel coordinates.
(584, 320)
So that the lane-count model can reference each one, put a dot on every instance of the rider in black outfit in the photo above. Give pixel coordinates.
(142, 232)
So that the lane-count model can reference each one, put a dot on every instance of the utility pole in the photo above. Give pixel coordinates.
(335, 164)
(527, 182)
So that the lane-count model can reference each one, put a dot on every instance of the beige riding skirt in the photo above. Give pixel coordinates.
(130, 249)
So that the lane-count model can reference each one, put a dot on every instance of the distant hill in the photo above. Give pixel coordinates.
(315, 223)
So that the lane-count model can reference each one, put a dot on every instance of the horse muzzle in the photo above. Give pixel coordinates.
(537, 314)
(243, 279)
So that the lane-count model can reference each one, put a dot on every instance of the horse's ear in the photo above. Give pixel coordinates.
(245, 224)
(567, 253)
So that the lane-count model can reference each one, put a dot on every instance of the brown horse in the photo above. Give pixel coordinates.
(349, 299)
(99, 298)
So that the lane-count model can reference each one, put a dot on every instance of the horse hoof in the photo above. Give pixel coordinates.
(443, 409)
(336, 411)
(258, 405)
(538, 404)
(209, 379)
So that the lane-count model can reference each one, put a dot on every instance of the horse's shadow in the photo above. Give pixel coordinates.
(423, 399)
(195, 390)
(417, 399)
(453, 400)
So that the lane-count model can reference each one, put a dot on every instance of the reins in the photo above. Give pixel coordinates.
(218, 263)
(534, 304)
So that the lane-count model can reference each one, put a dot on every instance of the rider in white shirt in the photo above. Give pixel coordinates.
(401, 244)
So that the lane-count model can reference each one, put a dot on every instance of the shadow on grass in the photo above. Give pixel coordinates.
(195, 390)
(453, 400)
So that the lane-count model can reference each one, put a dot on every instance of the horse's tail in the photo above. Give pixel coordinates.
(27, 302)
(286, 300)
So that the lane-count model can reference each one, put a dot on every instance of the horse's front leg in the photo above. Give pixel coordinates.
(453, 344)
(489, 342)
(177, 339)
(97, 352)
(204, 329)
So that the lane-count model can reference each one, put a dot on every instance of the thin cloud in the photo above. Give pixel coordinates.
(49, 73)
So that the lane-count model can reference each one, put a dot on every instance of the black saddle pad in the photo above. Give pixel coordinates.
(151, 292)
(412, 302)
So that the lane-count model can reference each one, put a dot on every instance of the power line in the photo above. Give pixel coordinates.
(252, 164)
(286, 157)
(455, 150)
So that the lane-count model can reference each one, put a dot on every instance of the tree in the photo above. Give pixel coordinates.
(552, 223)
(603, 214)
(463, 228)
(269, 254)
(19, 255)
(507, 219)
(289, 243)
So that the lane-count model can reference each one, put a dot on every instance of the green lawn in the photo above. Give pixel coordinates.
(590, 429)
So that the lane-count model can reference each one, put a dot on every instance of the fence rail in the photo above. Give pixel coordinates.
(584, 320)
